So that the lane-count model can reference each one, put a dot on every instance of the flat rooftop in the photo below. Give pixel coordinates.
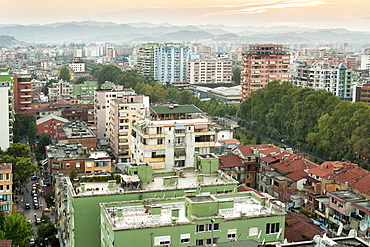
(175, 109)
(187, 181)
(347, 195)
(142, 216)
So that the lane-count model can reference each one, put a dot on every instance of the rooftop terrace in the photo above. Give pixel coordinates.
(158, 212)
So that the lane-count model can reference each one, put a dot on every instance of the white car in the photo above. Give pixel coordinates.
(32, 241)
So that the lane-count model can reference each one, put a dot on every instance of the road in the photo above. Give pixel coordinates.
(32, 213)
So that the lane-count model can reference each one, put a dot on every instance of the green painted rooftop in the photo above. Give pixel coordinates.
(181, 109)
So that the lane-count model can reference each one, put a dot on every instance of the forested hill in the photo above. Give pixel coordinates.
(6, 40)
(315, 120)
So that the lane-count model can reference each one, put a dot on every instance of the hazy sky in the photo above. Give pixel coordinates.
(350, 14)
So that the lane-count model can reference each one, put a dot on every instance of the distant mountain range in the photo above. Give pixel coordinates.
(91, 31)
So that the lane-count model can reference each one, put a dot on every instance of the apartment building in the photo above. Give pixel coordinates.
(170, 63)
(262, 64)
(6, 185)
(122, 113)
(145, 60)
(338, 80)
(77, 65)
(362, 93)
(60, 90)
(78, 204)
(169, 135)
(7, 114)
(209, 71)
(102, 104)
(22, 92)
(193, 220)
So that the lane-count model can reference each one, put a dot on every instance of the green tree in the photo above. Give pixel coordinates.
(44, 140)
(19, 150)
(17, 228)
(64, 74)
(107, 73)
(45, 88)
(73, 174)
(46, 234)
(20, 127)
(32, 130)
(237, 75)
(81, 80)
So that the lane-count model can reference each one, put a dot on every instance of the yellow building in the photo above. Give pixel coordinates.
(6, 184)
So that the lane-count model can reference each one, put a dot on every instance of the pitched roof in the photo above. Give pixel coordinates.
(229, 141)
(270, 151)
(269, 159)
(298, 227)
(325, 168)
(362, 184)
(297, 175)
(246, 150)
(293, 163)
(350, 173)
(230, 161)
(49, 117)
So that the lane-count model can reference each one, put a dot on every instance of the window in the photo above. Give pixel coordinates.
(1, 187)
(185, 238)
(276, 183)
(231, 233)
(7, 187)
(78, 165)
(160, 141)
(272, 228)
(7, 176)
(162, 240)
(68, 165)
(253, 231)
(208, 227)
(1, 177)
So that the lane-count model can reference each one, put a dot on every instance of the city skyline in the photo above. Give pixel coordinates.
(351, 15)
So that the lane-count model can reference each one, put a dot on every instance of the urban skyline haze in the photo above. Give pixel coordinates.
(352, 15)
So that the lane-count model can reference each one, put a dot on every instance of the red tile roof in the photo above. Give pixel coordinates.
(350, 173)
(362, 184)
(269, 151)
(297, 175)
(230, 161)
(294, 163)
(229, 141)
(325, 168)
(268, 159)
(5, 243)
(298, 228)
(248, 149)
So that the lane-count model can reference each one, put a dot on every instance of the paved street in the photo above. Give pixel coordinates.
(27, 197)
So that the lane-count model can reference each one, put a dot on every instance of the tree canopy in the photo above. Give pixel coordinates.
(316, 120)
(16, 228)
(64, 74)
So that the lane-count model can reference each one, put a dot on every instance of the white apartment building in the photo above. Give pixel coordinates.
(7, 115)
(168, 136)
(365, 62)
(102, 100)
(339, 80)
(122, 113)
(59, 90)
(77, 65)
(209, 71)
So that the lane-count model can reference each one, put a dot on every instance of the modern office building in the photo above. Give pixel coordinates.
(209, 71)
(338, 80)
(170, 63)
(7, 115)
(22, 92)
(192, 220)
(6, 185)
(77, 202)
(262, 64)
(122, 113)
(169, 136)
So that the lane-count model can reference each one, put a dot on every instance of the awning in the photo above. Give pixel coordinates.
(180, 127)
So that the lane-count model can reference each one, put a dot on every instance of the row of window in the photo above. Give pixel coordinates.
(271, 228)
(7, 176)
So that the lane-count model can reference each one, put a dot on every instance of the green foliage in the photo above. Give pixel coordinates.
(49, 199)
(81, 80)
(46, 234)
(19, 155)
(315, 120)
(32, 129)
(236, 75)
(44, 140)
(20, 127)
(17, 228)
(107, 73)
(73, 174)
(64, 74)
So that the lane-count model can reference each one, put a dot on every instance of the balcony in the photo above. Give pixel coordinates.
(25, 90)
(180, 145)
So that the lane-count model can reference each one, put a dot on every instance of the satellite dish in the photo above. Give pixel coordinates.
(363, 225)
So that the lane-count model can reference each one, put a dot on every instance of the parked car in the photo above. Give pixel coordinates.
(27, 206)
(38, 221)
(32, 241)
(47, 210)
(34, 178)
(33, 192)
(36, 205)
